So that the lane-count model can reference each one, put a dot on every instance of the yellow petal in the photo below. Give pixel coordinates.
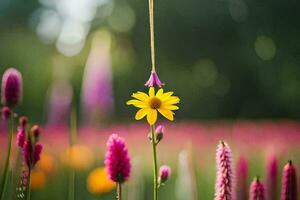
(170, 107)
(140, 96)
(141, 113)
(137, 103)
(172, 100)
(167, 113)
(159, 93)
(166, 95)
(152, 116)
(151, 92)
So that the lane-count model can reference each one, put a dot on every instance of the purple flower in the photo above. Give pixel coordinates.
(224, 182)
(11, 87)
(6, 112)
(289, 182)
(271, 185)
(164, 173)
(257, 190)
(241, 176)
(60, 100)
(154, 80)
(97, 93)
(117, 160)
(35, 132)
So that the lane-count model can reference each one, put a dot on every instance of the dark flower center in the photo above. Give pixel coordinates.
(155, 103)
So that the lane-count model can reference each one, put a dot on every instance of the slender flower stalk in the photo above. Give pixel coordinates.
(289, 182)
(11, 96)
(257, 190)
(155, 177)
(224, 182)
(117, 162)
(271, 184)
(241, 176)
(7, 160)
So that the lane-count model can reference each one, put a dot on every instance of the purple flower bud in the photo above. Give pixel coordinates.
(159, 132)
(35, 131)
(289, 182)
(117, 160)
(154, 81)
(224, 182)
(23, 121)
(6, 112)
(164, 173)
(11, 87)
(257, 190)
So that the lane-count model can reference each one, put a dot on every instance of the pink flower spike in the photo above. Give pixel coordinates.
(11, 87)
(224, 182)
(154, 81)
(271, 182)
(164, 173)
(31, 153)
(241, 176)
(289, 182)
(257, 190)
(117, 160)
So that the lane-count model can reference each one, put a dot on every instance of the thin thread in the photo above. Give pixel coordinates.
(151, 23)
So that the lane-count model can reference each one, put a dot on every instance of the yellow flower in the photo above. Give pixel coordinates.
(98, 182)
(78, 157)
(150, 104)
(37, 180)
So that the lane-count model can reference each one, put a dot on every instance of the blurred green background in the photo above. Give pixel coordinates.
(224, 58)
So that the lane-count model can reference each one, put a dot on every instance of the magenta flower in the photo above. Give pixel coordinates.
(164, 173)
(224, 182)
(289, 182)
(257, 190)
(154, 80)
(11, 87)
(271, 184)
(21, 135)
(241, 176)
(117, 160)
(31, 153)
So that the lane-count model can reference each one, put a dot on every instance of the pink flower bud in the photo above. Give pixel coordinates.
(159, 132)
(164, 173)
(6, 112)
(117, 160)
(23, 121)
(11, 87)
(153, 81)
(257, 190)
(35, 131)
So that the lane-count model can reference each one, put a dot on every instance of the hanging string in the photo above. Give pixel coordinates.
(151, 23)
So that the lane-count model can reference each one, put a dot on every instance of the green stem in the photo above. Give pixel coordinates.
(72, 140)
(119, 191)
(28, 189)
(7, 160)
(155, 183)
